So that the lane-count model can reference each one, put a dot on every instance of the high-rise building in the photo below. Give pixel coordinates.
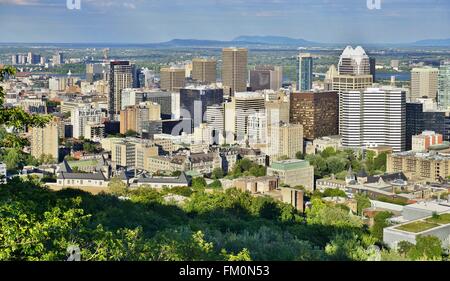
(422, 142)
(33, 58)
(96, 71)
(15, 59)
(195, 99)
(58, 58)
(133, 117)
(285, 141)
(373, 117)
(120, 77)
(215, 118)
(45, 141)
(204, 70)
(172, 79)
(373, 68)
(266, 78)
(305, 72)
(257, 128)
(246, 103)
(444, 86)
(354, 62)
(81, 116)
(419, 119)
(318, 112)
(424, 83)
(234, 70)
(353, 72)
(132, 97)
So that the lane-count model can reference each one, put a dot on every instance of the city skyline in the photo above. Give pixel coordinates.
(137, 21)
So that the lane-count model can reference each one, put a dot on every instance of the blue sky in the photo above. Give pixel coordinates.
(146, 21)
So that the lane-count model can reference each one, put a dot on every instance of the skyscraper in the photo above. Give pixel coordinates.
(354, 62)
(195, 99)
(373, 117)
(246, 103)
(266, 77)
(353, 72)
(285, 140)
(58, 58)
(444, 85)
(318, 112)
(373, 68)
(133, 117)
(424, 83)
(305, 72)
(81, 116)
(234, 70)
(45, 141)
(120, 77)
(172, 79)
(204, 70)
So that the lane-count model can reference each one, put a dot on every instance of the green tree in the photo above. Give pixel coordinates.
(426, 248)
(328, 152)
(117, 187)
(380, 223)
(16, 117)
(198, 183)
(217, 173)
(363, 202)
(299, 155)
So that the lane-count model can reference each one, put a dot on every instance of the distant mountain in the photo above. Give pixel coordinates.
(433, 43)
(274, 40)
(241, 41)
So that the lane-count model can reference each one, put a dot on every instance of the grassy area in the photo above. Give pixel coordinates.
(417, 226)
(441, 219)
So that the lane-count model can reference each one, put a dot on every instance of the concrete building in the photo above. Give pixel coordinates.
(131, 97)
(424, 83)
(320, 144)
(422, 142)
(305, 72)
(133, 117)
(215, 118)
(120, 77)
(234, 70)
(293, 173)
(194, 101)
(293, 197)
(45, 141)
(257, 128)
(318, 112)
(444, 86)
(285, 141)
(94, 132)
(204, 70)
(373, 117)
(81, 116)
(246, 103)
(172, 79)
(431, 167)
(254, 185)
(354, 62)
(264, 77)
(164, 182)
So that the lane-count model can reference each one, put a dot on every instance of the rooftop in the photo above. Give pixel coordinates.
(291, 164)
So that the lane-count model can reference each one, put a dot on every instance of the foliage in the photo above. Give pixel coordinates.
(363, 202)
(246, 167)
(300, 155)
(426, 248)
(217, 173)
(215, 184)
(39, 224)
(380, 222)
(16, 117)
(117, 187)
(334, 192)
(198, 183)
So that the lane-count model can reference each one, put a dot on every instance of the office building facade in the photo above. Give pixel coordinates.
(373, 118)
(305, 72)
(234, 70)
(318, 112)
(120, 77)
(204, 70)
